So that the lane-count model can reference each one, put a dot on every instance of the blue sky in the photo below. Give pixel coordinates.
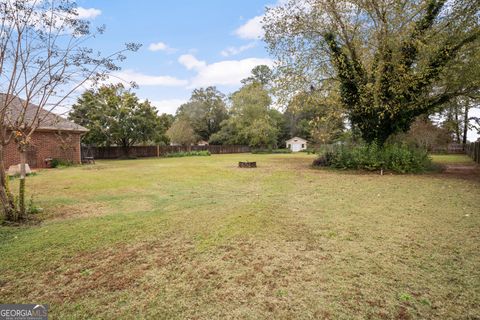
(186, 44)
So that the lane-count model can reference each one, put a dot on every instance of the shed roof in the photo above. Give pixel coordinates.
(47, 120)
(297, 138)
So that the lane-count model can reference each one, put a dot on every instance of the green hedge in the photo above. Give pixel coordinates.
(59, 163)
(395, 157)
(270, 151)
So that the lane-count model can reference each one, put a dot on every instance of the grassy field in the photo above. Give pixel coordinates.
(200, 238)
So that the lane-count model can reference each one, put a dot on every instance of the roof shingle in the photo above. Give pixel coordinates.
(48, 120)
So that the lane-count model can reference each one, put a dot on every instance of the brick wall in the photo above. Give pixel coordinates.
(46, 144)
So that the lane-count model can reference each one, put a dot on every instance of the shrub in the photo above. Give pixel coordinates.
(33, 208)
(188, 154)
(323, 160)
(394, 157)
(57, 163)
(271, 151)
(309, 151)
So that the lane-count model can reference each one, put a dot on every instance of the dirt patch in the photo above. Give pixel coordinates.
(89, 273)
(462, 171)
(79, 210)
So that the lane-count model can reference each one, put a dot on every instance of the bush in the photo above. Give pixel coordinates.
(309, 151)
(188, 154)
(32, 208)
(394, 157)
(57, 163)
(271, 151)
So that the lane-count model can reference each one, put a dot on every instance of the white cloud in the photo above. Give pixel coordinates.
(190, 62)
(231, 51)
(141, 79)
(87, 13)
(252, 29)
(227, 72)
(160, 46)
(472, 134)
(168, 105)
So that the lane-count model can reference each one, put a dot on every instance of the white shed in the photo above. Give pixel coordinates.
(296, 144)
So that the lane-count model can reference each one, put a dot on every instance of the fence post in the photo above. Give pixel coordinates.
(158, 151)
(473, 152)
(477, 157)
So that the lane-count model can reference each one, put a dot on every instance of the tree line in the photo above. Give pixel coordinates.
(364, 71)
(116, 116)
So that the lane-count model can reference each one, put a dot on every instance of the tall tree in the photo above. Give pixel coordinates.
(316, 117)
(388, 56)
(205, 111)
(426, 135)
(261, 74)
(464, 77)
(182, 133)
(115, 115)
(43, 60)
(252, 120)
(165, 121)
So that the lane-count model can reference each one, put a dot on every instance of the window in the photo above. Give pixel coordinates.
(303, 145)
(289, 146)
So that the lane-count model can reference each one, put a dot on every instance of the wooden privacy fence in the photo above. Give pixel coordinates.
(156, 151)
(473, 151)
(449, 148)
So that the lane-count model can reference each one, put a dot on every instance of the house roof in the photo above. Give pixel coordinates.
(47, 120)
(297, 138)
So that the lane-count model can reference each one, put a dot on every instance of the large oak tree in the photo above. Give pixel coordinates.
(115, 116)
(205, 111)
(390, 57)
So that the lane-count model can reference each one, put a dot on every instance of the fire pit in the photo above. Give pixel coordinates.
(247, 164)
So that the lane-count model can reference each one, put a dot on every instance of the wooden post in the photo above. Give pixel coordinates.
(477, 157)
(158, 151)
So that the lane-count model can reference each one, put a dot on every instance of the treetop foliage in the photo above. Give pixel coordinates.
(205, 111)
(388, 57)
(115, 116)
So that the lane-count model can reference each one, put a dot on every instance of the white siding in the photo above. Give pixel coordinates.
(296, 144)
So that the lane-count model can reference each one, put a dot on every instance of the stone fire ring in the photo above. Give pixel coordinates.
(246, 164)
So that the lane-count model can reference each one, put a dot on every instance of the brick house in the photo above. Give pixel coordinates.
(55, 138)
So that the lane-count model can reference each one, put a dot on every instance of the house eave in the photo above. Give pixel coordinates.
(296, 138)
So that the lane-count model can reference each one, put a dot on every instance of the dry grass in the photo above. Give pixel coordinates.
(201, 239)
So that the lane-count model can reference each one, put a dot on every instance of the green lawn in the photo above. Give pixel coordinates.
(452, 159)
(200, 238)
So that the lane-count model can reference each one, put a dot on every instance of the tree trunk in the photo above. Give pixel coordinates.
(6, 197)
(457, 124)
(21, 191)
(126, 151)
(465, 125)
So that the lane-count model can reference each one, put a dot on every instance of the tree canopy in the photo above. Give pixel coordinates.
(252, 120)
(262, 74)
(315, 117)
(389, 57)
(205, 111)
(115, 116)
(182, 133)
